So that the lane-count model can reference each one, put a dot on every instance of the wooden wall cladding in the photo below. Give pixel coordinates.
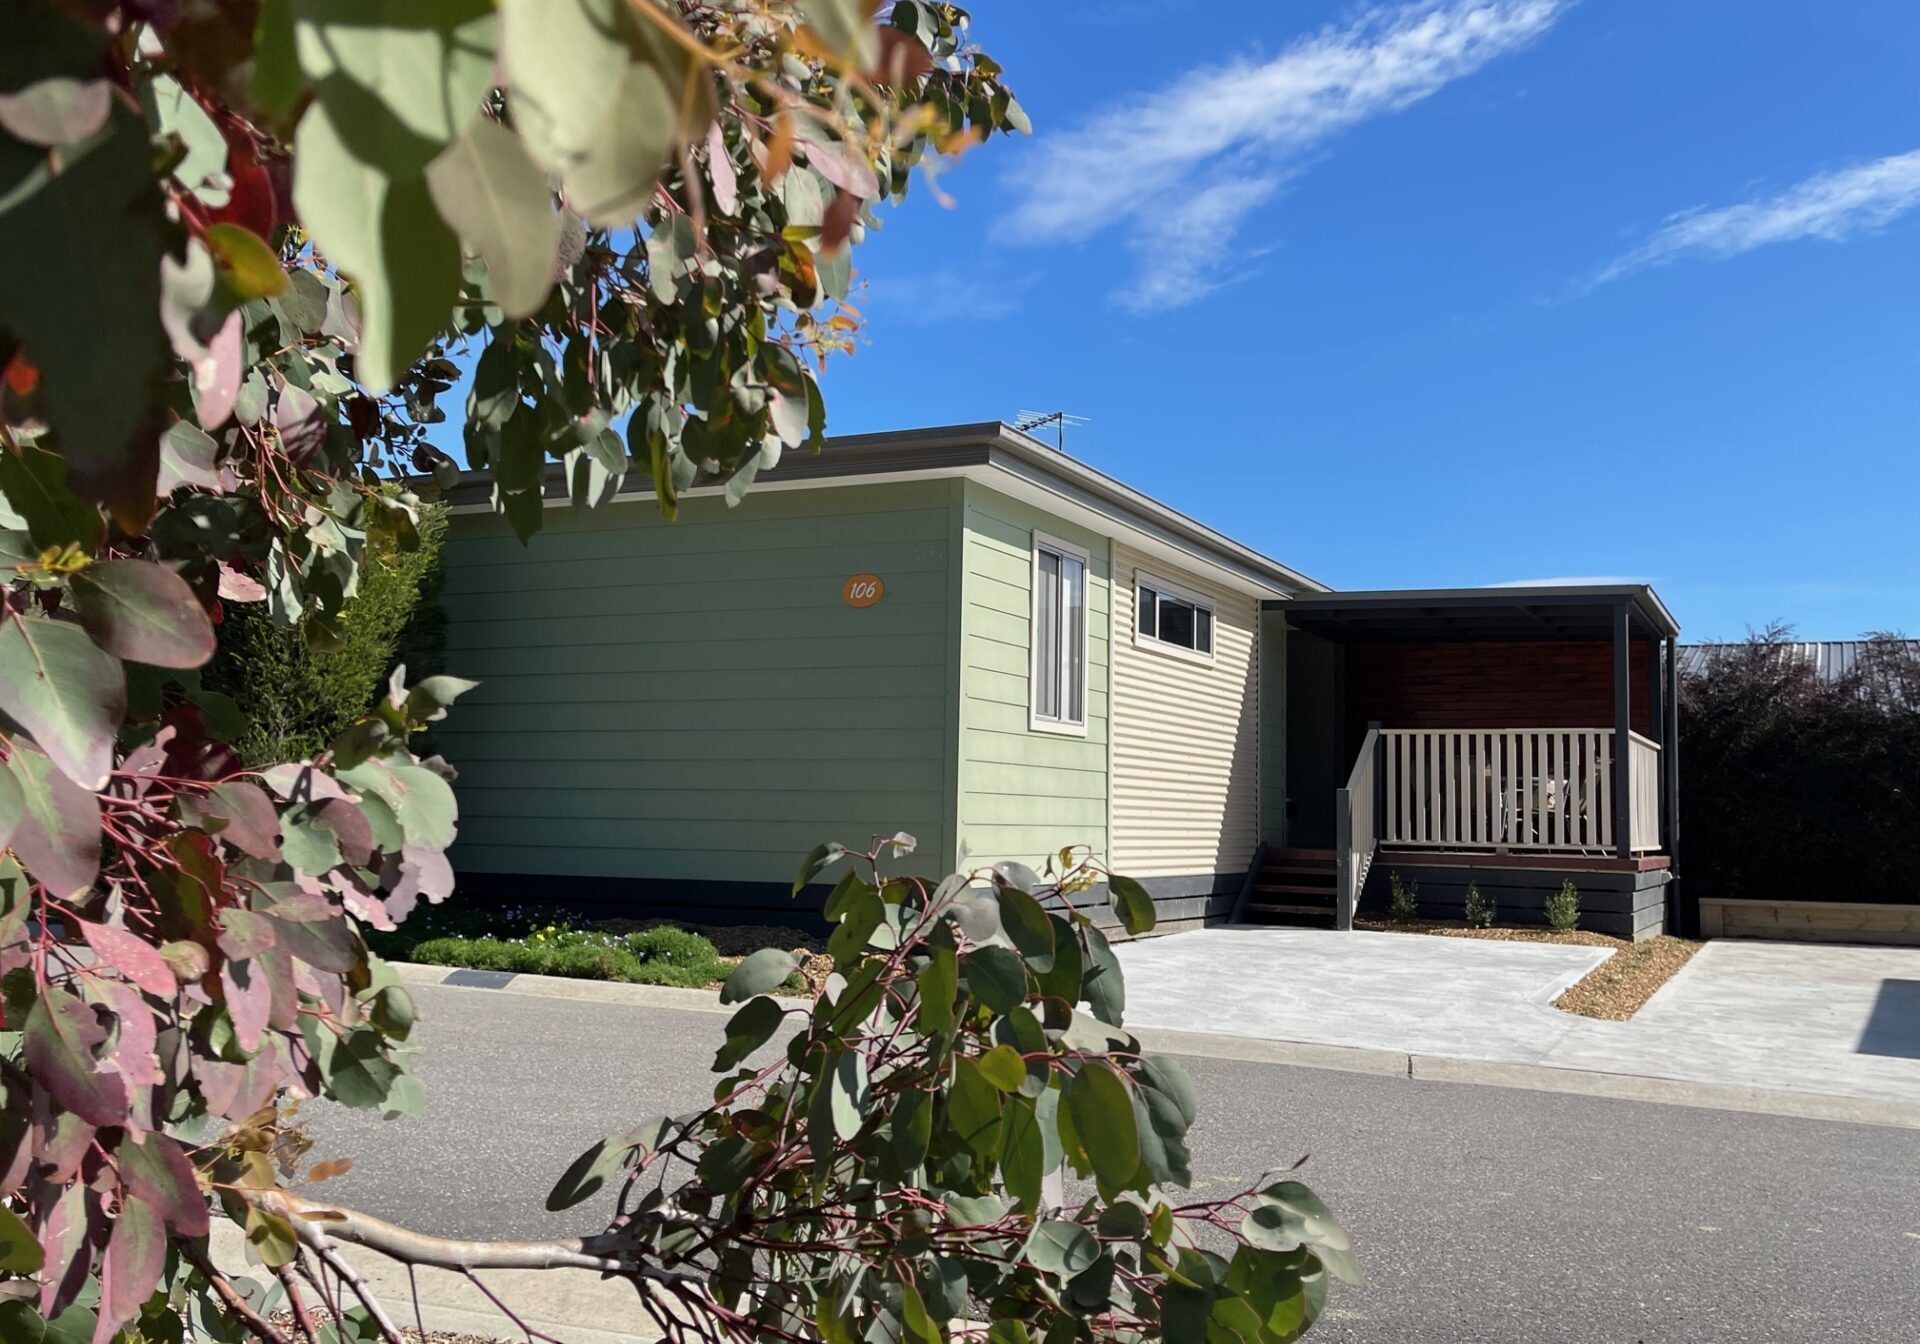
(1551, 684)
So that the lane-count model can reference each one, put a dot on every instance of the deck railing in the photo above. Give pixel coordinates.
(1357, 823)
(1644, 759)
(1518, 788)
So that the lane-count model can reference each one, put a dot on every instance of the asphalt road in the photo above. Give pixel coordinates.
(1479, 1213)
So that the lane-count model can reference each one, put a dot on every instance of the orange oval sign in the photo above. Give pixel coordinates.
(863, 590)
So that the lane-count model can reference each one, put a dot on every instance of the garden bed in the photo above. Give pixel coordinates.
(1614, 990)
(549, 941)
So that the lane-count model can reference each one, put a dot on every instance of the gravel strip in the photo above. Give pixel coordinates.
(1613, 990)
(1618, 986)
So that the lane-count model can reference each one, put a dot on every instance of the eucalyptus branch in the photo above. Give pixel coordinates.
(194, 1254)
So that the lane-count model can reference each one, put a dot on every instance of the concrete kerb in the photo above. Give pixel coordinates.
(1314, 1055)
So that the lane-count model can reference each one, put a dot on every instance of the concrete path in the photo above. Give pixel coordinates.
(1793, 1017)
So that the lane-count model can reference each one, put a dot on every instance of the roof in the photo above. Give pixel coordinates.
(959, 450)
(1533, 612)
(1831, 660)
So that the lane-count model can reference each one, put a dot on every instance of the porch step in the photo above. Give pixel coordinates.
(1293, 886)
(1298, 854)
(1265, 908)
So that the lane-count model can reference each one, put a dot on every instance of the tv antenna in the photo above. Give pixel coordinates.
(1032, 420)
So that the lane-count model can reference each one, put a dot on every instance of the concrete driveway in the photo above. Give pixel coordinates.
(1797, 1017)
(1464, 997)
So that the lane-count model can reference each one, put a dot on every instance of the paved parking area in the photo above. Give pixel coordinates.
(1800, 1017)
(1805, 1017)
(1463, 997)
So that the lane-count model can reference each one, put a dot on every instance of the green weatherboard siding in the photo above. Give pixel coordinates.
(1024, 794)
(694, 700)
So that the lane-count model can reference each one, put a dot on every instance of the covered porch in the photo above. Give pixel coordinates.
(1511, 738)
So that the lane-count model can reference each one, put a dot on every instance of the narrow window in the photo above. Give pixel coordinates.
(1174, 618)
(1059, 636)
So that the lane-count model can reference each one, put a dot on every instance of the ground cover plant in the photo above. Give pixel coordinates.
(551, 941)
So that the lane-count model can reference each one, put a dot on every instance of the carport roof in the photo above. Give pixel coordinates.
(1533, 612)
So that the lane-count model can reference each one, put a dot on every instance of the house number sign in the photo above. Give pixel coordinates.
(863, 590)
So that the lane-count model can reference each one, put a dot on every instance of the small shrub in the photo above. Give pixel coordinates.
(671, 946)
(582, 962)
(1403, 905)
(1480, 908)
(1563, 908)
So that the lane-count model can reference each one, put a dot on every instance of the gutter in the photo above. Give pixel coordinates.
(954, 449)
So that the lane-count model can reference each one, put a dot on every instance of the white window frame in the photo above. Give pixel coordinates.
(1035, 722)
(1147, 579)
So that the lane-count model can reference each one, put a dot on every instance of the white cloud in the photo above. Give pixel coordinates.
(1832, 206)
(1213, 147)
(949, 295)
(1180, 261)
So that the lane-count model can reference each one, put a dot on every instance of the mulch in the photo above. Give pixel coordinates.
(1614, 990)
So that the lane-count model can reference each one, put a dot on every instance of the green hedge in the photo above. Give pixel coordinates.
(298, 699)
(1797, 788)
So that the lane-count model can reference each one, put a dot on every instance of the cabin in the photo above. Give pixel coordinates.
(968, 635)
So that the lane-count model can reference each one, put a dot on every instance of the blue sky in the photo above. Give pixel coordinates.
(1464, 292)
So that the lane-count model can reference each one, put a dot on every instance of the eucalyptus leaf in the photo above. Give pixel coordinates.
(564, 61)
(56, 111)
(816, 862)
(764, 970)
(399, 79)
(250, 269)
(1023, 1151)
(1103, 986)
(1060, 1248)
(143, 612)
(1003, 1067)
(34, 483)
(89, 308)
(747, 1030)
(1132, 903)
(13, 806)
(19, 1252)
(59, 1037)
(995, 976)
(847, 28)
(493, 195)
(1101, 1102)
(60, 686)
(387, 235)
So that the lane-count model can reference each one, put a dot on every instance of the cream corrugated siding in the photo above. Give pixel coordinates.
(1186, 736)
